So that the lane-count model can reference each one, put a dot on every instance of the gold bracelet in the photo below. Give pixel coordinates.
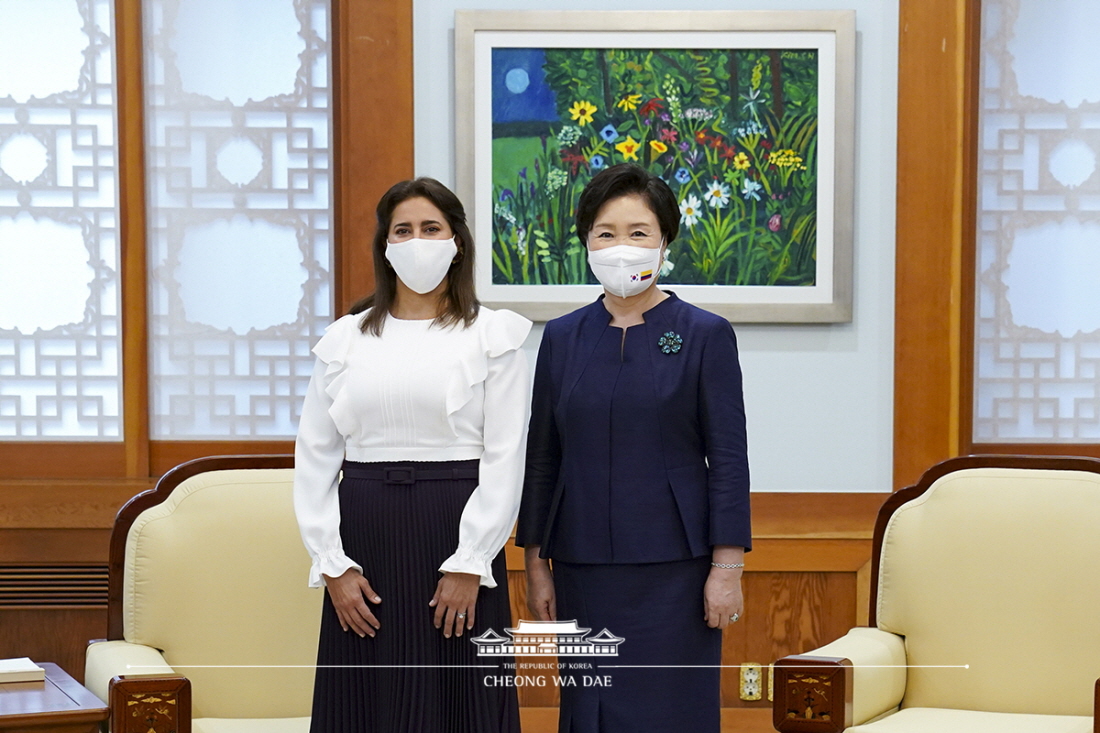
(728, 565)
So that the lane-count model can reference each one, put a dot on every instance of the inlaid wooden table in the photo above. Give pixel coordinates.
(58, 704)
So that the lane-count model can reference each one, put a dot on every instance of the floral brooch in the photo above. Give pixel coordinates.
(670, 343)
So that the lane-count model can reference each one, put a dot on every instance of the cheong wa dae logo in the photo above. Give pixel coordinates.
(548, 638)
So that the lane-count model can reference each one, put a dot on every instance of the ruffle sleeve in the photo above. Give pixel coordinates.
(333, 349)
(503, 331)
(498, 332)
(318, 455)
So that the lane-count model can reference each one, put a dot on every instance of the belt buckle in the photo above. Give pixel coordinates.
(408, 471)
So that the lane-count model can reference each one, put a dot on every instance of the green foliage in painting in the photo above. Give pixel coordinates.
(733, 132)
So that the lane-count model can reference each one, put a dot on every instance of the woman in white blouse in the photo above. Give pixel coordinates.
(419, 397)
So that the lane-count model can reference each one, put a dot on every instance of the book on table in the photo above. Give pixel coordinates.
(20, 670)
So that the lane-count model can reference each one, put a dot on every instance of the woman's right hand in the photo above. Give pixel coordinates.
(347, 593)
(541, 600)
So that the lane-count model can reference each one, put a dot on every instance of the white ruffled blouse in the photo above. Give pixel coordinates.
(416, 393)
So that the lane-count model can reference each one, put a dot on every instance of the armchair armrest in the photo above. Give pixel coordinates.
(108, 659)
(863, 671)
(142, 690)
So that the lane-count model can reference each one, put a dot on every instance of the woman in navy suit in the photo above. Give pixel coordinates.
(637, 483)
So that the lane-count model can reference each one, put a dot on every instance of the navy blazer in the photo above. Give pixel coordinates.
(698, 420)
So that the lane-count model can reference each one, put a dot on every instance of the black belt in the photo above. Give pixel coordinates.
(408, 474)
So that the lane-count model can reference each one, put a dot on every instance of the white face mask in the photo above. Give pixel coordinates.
(421, 263)
(625, 269)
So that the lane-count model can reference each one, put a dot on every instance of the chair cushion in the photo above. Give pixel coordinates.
(996, 568)
(940, 720)
(250, 725)
(215, 577)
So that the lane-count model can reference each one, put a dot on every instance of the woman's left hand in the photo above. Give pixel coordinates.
(722, 600)
(454, 601)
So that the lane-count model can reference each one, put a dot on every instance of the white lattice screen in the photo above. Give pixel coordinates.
(239, 119)
(1037, 375)
(60, 350)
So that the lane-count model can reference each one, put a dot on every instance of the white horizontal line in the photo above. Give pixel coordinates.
(312, 666)
(785, 666)
(497, 666)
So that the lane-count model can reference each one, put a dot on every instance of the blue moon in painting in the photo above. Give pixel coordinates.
(520, 93)
(517, 80)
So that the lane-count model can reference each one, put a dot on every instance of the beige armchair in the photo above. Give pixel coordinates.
(208, 581)
(985, 610)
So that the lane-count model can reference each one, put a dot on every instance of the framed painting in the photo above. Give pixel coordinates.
(748, 116)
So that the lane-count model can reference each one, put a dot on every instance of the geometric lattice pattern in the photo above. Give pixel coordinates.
(240, 212)
(1037, 365)
(60, 336)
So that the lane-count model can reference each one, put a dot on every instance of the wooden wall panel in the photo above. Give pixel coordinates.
(164, 455)
(65, 504)
(51, 635)
(1091, 450)
(833, 515)
(785, 613)
(59, 546)
(41, 459)
(734, 720)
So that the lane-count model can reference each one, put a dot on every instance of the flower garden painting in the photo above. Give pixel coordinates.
(733, 132)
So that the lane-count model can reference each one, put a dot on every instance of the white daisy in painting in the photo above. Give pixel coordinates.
(690, 210)
(718, 194)
(750, 189)
(666, 266)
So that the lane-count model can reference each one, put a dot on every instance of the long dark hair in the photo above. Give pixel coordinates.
(460, 300)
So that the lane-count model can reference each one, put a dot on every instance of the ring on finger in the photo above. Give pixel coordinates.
(461, 614)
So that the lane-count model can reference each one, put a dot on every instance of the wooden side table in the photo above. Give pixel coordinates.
(58, 704)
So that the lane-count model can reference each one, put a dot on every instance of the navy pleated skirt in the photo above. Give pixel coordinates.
(657, 608)
(409, 678)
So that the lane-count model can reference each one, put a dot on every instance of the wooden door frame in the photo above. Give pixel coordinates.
(938, 44)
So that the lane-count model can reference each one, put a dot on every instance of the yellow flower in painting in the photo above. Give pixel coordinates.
(758, 73)
(741, 161)
(629, 148)
(785, 159)
(582, 112)
(629, 102)
(658, 147)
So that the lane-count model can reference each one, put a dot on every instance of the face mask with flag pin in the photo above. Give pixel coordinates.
(624, 269)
